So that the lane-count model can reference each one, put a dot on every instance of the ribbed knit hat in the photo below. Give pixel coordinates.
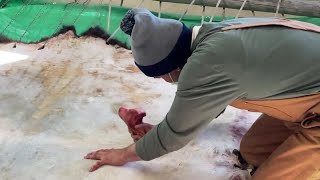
(158, 45)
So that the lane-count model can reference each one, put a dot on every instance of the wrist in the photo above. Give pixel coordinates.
(130, 153)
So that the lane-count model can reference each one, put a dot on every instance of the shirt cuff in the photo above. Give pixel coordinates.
(149, 146)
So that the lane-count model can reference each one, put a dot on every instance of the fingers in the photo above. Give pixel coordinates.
(92, 155)
(122, 112)
(139, 126)
(97, 166)
(136, 138)
(115, 157)
(95, 155)
(144, 125)
(144, 128)
(131, 131)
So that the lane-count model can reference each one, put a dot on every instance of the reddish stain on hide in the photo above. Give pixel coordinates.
(237, 129)
(241, 117)
(114, 126)
(237, 132)
(236, 177)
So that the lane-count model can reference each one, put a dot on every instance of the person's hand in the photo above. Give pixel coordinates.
(134, 120)
(115, 157)
(142, 129)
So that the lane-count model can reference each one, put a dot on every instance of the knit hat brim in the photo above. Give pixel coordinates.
(177, 58)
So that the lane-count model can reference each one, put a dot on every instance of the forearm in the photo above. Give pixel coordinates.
(194, 106)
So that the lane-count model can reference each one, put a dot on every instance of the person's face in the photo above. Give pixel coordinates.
(171, 77)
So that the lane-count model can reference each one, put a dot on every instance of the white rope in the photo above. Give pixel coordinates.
(116, 31)
(278, 7)
(185, 12)
(160, 7)
(215, 11)
(244, 2)
(109, 15)
(203, 13)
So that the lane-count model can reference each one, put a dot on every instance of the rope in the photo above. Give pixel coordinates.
(185, 12)
(215, 11)
(60, 23)
(6, 2)
(121, 3)
(203, 13)
(278, 7)
(160, 7)
(109, 15)
(45, 6)
(116, 31)
(84, 7)
(244, 2)
(16, 15)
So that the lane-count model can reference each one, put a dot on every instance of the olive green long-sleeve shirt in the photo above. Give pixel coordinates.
(269, 62)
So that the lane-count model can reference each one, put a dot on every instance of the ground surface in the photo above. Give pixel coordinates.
(59, 103)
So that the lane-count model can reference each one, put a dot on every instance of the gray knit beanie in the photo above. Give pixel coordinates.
(158, 45)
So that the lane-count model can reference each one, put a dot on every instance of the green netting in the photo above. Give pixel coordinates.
(29, 21)
(43, 20)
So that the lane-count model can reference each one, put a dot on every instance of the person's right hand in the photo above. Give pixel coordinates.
(134, 120)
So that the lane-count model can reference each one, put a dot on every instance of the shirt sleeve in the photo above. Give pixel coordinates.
(204, 91)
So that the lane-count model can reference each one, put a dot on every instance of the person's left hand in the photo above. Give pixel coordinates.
(140, 130)
(115, 157)
(134, 120)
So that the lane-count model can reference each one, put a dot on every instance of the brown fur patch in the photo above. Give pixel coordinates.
(121, 53)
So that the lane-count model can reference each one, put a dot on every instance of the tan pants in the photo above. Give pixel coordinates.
(285, 149)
